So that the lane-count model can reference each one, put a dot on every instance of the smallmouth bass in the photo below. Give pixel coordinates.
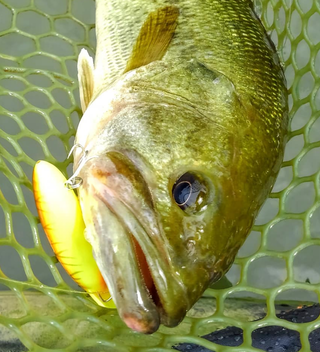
(182, 137)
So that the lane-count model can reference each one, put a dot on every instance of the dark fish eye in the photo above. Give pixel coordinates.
(190, 192)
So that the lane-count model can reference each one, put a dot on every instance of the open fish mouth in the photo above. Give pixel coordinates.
(146, 273)
(131, 259)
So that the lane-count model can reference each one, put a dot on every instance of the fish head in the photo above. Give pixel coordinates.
(172, 181)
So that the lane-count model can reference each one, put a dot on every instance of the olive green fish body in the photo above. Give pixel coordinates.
(197, 105)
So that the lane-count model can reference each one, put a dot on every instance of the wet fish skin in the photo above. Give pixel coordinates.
(214, 105)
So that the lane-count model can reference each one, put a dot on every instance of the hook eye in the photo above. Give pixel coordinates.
(73, 182)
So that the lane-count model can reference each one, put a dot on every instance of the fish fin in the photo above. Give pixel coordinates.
(154, 37)
(85, 77)
(221, 284)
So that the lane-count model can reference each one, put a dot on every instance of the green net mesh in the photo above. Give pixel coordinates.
(41, 308)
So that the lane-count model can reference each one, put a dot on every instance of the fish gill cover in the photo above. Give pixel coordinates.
(40, 109)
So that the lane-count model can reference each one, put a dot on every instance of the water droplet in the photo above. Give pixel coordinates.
(189, 347)
(237, 338)
(283, 348)
(262, 342)
(270, 349)
(277, 343)
(220, 337)
(294, 320)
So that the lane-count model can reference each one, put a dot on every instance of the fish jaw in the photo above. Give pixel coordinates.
(129, 250)
(115, 257)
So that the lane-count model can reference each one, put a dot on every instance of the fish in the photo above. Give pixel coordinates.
(185, 118)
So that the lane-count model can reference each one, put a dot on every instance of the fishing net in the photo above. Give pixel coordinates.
(278, 268)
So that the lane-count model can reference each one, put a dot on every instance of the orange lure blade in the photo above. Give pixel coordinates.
(61, 217)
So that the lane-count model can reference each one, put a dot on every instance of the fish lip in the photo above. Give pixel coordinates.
(162, 295)
(142, 315)
(129, 233)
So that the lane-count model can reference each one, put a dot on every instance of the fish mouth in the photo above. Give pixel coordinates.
(133, 263)
(146, 273)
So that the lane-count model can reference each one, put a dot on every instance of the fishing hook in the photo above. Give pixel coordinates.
(75, 181)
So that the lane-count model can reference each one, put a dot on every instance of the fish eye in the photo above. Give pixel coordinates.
(190, 192)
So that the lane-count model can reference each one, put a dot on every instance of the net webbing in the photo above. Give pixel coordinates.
(39, 112)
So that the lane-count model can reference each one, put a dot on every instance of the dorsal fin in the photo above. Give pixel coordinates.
(154, 37)
(85, 77)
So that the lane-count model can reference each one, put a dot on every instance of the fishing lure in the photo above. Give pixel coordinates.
(61, 218)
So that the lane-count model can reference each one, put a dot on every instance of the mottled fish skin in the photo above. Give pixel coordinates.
(214, 105)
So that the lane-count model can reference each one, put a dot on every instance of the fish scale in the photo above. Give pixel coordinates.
(119, 22)
(185, 93)
(234, 50)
